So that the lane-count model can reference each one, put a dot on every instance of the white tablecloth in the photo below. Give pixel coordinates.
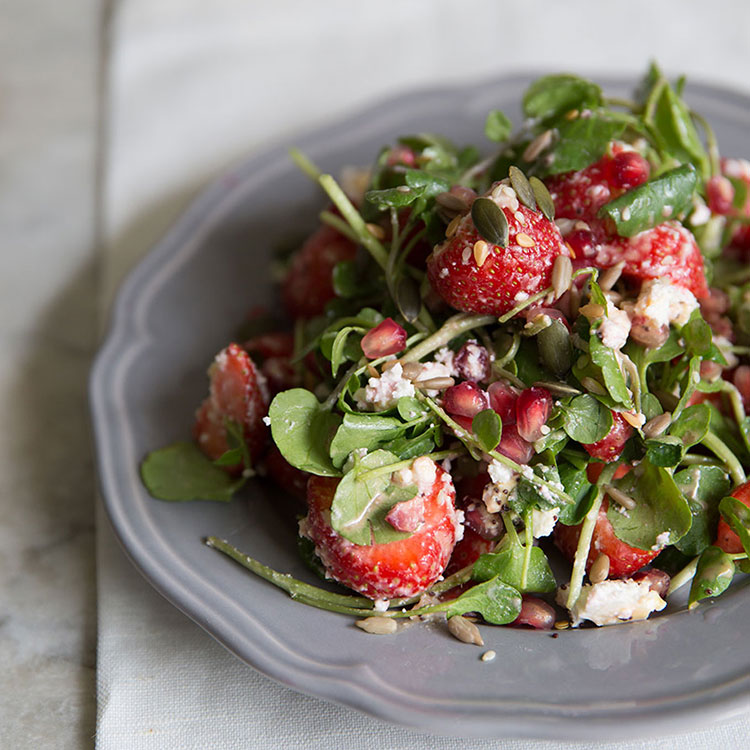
(193, 85)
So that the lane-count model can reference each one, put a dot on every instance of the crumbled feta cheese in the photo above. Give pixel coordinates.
(497, 492)
(505, 197)
(701, 215)
(267, 421)
(662, 540)
(565, 226)
(615, 328)
(380, 605)
(445, 356)
(384, 392)
(424, 471)
(543, 521)
(739, 169)
(434, 370)
(664, 302)
(612, 601)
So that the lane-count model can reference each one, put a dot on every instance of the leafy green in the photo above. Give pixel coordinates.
(605, 358)
(302, 430)
(498, 126)
(557, 94)
(582, 141)
(366, 431)
(586, 420)
(577, 485)
(657, 200)
(496, 601)
(507, 565)
(487, 427)
(397, 197)
(692, 425)
(182, 472)
(713, 575)
(737, 515)
(665, 451)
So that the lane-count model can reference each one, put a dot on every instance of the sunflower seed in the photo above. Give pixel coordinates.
(378, 625)
(459, 627)
(592, 311)
(543, 198)
(658, 425)
(452, 228)
(562, 274)
(376, 231)
(539, 144)
(558, 389)
(619, 497)
(575, 301)
(634, 420)
(599, 569)
(412, 370)
(481, 252)
(435, 384)
(609, 278)
(490, 221)
(593, 386)
(522, 186)
(562, 625)
(408, 298)
(524, 240)
(488, 655)
(451, 202)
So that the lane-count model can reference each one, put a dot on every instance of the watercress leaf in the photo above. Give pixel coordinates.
(345, 281)
(605, 358)
(664, 451)
(531, 495)
(586, 420)
(182, 472)
(575, 481)
(397, 197)
(416, 446)
(302, 430)
(581, 142)
(362, 431)
(363, 498)
(557, 94)
(232, 457)
(410, 408)
(692, 425)
(653, 202)
(697, 335)
(487, 426)
(235, 434)
(659, 508)
(737, 515)
(507, 565)
(703, 487)
(344, 349)
(496, 601)
(497, 126)
(713, 575)
(431, 184)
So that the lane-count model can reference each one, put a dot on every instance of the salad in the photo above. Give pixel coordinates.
(500, 364)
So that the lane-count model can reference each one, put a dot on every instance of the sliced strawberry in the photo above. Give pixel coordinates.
(610, 447)
(308, 285)
(237, 393)
(394, 569)
(725, 537)
(493, 279)
(468, 550)
(274, 351)
(623, 559)
(286, 476)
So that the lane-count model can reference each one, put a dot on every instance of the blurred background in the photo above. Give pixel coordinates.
(113, 114)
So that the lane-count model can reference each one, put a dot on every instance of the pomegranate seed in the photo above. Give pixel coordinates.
(720, 193)
(628, 169)
(503, 399)
(465, 422)
(583, 242)
(513, 446)
(487, 525)
(657, 579)
(472, 362)
(386, 338)
(401, 155)
(408, 515)
(611, 445)
(532, 412)
(465, 400)
(741, 379)
(535, 613)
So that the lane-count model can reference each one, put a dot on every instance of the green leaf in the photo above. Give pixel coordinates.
(413, 447)
(577, 486)
(737, 515)
(341, 352)
(507, 565)
(605, 358)
(586, 420)
(665, 451)
(232, 457)
(713, 575)
(664, 197)
(397, 197)
(498, 126)
(581, 142)
(497, 602)
(487, 426)
(363, 498)
(529, 494)
(692, 425)
(302, 430)
(182, 472)
(367, 431)
(345, 281)
(659, 507)
(697, 335)
(430, 184)
(554, 95)
(703, 487)
(410, 408)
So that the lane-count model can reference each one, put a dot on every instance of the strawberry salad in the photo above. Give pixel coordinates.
(500, 366)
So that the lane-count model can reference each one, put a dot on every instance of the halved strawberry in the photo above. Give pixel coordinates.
(238, 393)
(610, 447)
(475, 276)
(390, 570)
(725, 537)
(468, 550)
(308, 285)
(623, 559)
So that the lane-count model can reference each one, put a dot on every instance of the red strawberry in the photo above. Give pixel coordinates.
(579, 195)
(623, 559)
(286, 476)
(494, 283)
(611, 445)
(725, 537)
(468, 550)
(308, 285)
(275, 351)
(394, 569)
(238, 393)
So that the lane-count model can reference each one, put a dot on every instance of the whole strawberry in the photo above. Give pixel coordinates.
(474, 275)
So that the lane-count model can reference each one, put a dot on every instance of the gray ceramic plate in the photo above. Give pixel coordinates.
(182, 304)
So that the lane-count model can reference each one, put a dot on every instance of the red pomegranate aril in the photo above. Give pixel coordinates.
(514, 447)
(583, 242)
(535, 613)
(465, 400)
(657, 580)
(472, 362)
(503, 399)
(466, 422)
(628, 169)
(532, 412)
(720, 193)
(386, 338)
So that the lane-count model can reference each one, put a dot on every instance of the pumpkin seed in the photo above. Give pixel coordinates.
(490, 221)
(408, 299)
(559, 389)
(555, 349)
(543, 198)
(522, 186)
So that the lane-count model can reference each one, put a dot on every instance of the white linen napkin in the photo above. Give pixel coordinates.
(192, 86)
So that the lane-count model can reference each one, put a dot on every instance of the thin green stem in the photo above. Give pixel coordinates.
(305, 164)
(338, 224)
(390, 468)
(720, 449)
(683, 577)
(452, 327)
(529, 545)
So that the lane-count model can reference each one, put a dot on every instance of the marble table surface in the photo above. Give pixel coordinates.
(57, 276)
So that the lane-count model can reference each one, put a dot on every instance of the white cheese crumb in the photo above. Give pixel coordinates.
(543, 521)
(380, 605)
(384, 392)
(662, 540)
(615, 328)
(267, 421)
(663, 302)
